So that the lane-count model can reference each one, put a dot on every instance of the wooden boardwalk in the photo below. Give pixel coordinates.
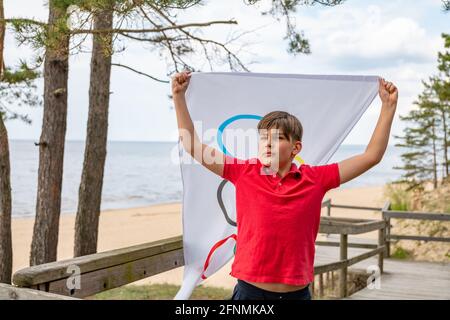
(401, 279)
(410, 280)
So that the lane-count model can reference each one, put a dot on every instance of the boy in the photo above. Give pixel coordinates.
(278, 205)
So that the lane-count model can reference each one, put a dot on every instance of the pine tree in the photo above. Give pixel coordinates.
(427, 136)
(441, 86)
(16, 87)
(418, 161)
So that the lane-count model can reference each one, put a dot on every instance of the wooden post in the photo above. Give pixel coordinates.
(343, 273)
(329, 208)
(388, 237)
(321, 285)
(332, 281)
(381, 242)
(387, 232)
(327, 278)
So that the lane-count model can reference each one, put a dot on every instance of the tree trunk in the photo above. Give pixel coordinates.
(5, 208)
(434, 156)
(2, 38)
(446, 144)
(5, 182)
(90, 191)
(51, 143)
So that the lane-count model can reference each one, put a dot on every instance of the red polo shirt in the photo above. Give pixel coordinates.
(277, 219)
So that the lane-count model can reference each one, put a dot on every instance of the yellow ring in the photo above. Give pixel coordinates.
(299, 159)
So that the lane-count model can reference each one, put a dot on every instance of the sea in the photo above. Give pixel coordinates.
(143, 173)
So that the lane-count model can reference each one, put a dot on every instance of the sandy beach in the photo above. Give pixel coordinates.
(127, 227)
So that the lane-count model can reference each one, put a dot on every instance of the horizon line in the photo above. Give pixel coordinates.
(162, 141)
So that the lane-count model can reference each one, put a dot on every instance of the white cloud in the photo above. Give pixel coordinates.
(368, 36)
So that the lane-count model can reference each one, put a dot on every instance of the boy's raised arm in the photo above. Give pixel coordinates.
(209, 157)
(352, 167)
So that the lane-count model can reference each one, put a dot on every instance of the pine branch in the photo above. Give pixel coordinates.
(139, 72)
(151, 30)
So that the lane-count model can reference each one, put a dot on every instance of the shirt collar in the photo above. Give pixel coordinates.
(294, 170)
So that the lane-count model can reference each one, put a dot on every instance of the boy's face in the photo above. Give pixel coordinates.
(275, 149)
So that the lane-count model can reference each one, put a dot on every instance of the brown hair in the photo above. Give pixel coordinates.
(284, 121)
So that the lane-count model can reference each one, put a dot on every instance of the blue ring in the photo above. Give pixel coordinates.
(226, 123)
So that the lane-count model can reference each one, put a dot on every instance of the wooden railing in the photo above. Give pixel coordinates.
(106, 270)
(344, 227)
(90, 274)
(327, 203)
(388, 214)
(9, 292)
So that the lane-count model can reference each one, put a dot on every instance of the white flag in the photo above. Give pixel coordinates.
(328, 106)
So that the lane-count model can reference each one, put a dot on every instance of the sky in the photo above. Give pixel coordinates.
(397, 39)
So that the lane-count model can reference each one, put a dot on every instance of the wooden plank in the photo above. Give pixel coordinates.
(338, 220)
(9, 292)
(355, 207)
(59, 270)
(365, 255)
(417, 215)
(350, 245)
(419, 238)
(349, 225)
(353, 239)
(321, 268)
(105, 279)
(414, 280)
